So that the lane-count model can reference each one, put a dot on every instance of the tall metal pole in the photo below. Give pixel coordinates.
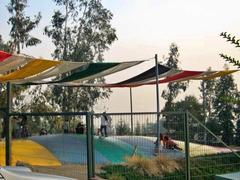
(8, 126)
(204, 111)
(187, 152)
(131, 110)
(158, 115)
(89, 147)
(92, 147)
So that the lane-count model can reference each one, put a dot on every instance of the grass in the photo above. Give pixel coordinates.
(202, 167)
(153, 167)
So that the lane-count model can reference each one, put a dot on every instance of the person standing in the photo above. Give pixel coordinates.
(104, 123)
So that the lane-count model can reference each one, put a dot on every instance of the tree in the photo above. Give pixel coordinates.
(233, 41)
(174, 88)
(22, 25)
(138, 129)
(82, 32)
(207, 89)
(16, 91)
(224, 110)
(122, 128)
(192, 104)
(4, 46)
(238, 132)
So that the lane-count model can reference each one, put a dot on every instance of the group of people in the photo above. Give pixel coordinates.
(167, 142)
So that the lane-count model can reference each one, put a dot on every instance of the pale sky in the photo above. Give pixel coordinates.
(147, 27)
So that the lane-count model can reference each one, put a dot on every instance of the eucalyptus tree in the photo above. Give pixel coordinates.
(22, 25)
(81, 31)
(225, 109)
(207, 89)
(174, 88)
(4, 46)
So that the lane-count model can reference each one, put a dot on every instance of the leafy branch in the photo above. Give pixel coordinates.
(234, 41)
(230, 59)
(231, 39)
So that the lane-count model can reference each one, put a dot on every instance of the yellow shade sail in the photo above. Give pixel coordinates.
(217, 74)
(32, 68)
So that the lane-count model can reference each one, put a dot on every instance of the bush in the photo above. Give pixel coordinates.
(156, 166)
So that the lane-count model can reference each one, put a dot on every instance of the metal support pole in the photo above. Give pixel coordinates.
(187, 153)
(204, 111)
(158, 115)
(92, 146)
(8, 126)
(131, 110)
(89, 147)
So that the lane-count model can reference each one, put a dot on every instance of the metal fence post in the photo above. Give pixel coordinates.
(158, 106)
(7, 127)
(92, 146)
(89, 147)
(187, 153)
(131, 107)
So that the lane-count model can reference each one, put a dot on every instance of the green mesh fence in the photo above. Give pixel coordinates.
(209, 155)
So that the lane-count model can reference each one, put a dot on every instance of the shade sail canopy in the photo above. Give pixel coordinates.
(22, 69)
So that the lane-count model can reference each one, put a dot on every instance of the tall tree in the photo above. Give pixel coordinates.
(237, 139)
(22, 25)
(122, 128)
(224, 110)
(82, 32)
(16, 90)
(174, 88)
(207, 89)
(4, 46)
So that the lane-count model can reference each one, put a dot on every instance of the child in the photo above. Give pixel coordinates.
(168, 143)
(160, 139)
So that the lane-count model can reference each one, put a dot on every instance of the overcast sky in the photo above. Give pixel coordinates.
(146, 27)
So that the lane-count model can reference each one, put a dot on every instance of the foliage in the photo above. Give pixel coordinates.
(191, 104)
(233, 41)
(238, 132)
(80, 32)
(224, 111)
(173, 88)
(22, 25)
(38, 100)
(207, 89)
(205, 167)
(4, 46)
(122, 128)
(156, 166)
(16, 90)
(230, 59)
(116, 177)
(138, 129)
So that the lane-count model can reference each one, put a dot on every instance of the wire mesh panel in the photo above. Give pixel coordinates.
(210, 155)
(129, 148)
(50, 144)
